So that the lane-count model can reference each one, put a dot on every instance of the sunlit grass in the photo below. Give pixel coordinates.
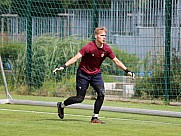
(43, 121)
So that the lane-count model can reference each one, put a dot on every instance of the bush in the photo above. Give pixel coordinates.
(153, 86)
(49, 52)
(131, 61)
(12, 57)
(10, 50)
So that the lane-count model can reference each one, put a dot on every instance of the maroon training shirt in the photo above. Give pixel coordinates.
(92, 57)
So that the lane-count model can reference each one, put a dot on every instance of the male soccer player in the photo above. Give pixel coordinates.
(88, 73)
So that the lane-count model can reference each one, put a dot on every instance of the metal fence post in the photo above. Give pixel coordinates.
(168, 13)
(95, 17)
(29, 43)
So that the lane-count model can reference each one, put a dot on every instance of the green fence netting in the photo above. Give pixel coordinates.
(38, 35)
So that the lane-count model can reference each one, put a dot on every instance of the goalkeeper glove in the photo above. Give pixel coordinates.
(129, 73)
(59, 68)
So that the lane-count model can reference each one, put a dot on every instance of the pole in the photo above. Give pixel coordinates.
(2, 30)
(29, 43)
(95, 16)
(168, 13)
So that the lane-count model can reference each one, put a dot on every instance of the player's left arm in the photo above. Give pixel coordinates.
(123, 67)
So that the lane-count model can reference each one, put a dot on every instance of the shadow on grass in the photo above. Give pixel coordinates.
(64, 120)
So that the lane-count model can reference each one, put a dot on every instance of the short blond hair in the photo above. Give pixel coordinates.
(98, 29)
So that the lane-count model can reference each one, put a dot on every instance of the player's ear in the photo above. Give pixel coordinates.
(95, 36)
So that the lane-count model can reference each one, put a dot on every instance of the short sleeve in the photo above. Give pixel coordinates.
(110, 54)
(84, 50)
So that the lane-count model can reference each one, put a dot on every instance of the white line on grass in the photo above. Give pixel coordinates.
(125, 119)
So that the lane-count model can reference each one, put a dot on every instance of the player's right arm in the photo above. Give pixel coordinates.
(69, 62)
(73, 60)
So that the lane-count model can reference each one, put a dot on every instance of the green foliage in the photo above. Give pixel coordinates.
(5, 2)
(19, 67)
(48, 53)
(150, 87)
(131, 61)
(13, 55)
(10, 50)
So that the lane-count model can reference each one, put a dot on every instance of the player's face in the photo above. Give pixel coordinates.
(101, 37)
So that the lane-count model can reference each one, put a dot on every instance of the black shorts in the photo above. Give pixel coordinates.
(83, 80)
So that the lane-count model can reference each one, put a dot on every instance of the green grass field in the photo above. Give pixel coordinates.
(24, 120)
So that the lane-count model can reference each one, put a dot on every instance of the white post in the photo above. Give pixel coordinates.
(8, 96)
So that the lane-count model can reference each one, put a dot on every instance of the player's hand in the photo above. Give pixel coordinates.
(58, 69)
(131, 74)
